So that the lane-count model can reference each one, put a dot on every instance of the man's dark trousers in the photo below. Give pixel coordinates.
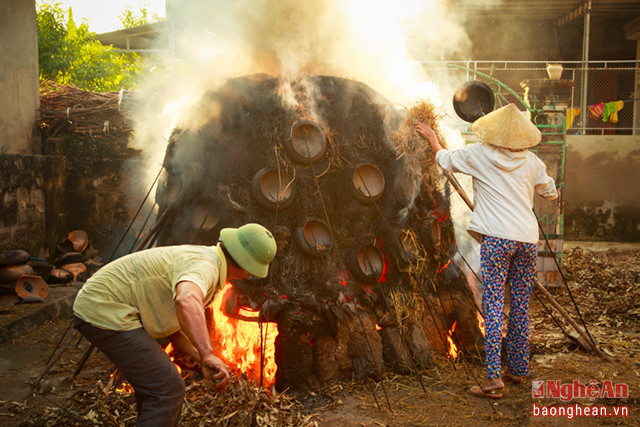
(159, 388)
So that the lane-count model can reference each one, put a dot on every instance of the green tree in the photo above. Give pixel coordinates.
(130, 19)
(69, 53)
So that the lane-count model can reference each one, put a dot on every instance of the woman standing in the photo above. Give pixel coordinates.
(506, 176)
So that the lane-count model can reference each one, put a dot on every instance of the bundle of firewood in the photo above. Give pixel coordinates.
(69, 110)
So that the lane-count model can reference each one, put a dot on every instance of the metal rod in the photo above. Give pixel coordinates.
(568, 318)
(373, 359)
(135, 216)
(418, 283)
(53, 360)
(400, 334)
(585, 64)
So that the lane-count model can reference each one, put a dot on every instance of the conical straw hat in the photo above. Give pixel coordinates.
(507, 127)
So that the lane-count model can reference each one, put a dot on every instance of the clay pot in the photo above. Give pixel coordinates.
(30, 286)
(366, 264)
(75, 268)
(12, 273)
(14, 257)
(68, 258)
(307, 143)
(79, 240)
(314, 238)
(272, 190)
(206, 214)
(404, 189)
(40, 267)
(368, 183)
(59, 276)
(167, 192)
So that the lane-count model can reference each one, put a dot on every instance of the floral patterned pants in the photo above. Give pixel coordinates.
(506, 261)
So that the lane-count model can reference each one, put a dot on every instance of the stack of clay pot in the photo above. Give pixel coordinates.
(27, 279)
(20, 279)
(75, 260)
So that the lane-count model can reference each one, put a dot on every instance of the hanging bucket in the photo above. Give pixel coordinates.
(314, 238)
(366, 264)
(272, 189)
(307, 143)
(367, 183)
(473, 100)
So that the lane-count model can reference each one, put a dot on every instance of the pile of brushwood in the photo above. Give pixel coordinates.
(65, 109)
(606, 284)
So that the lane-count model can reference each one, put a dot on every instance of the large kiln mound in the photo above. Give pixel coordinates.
(359, 211)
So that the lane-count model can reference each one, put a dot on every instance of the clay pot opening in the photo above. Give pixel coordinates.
(314, 238)
(28, 286)
(366, 264)
(168, 191)
(306, 144)
(404, 190)
(368, 183)
(206, 214)
(272, 189)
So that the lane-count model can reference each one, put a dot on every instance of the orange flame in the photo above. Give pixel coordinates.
(238, 343)
(124, 388)
(444, 267)
(169, 350)
(453, 349)
(480, 323)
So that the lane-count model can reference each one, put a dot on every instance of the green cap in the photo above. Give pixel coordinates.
(251, 246)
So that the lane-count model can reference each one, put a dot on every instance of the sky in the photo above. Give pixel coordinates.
(103, 16)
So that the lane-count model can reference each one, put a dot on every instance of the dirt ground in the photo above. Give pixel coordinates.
(605, 284)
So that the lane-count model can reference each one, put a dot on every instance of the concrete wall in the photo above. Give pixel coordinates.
(77, 184)
(602, 180)
(97, 194)
(19, 93)
(30, 190)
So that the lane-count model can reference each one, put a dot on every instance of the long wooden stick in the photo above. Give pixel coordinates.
(542, 289)
(454, 182)
(568, 318)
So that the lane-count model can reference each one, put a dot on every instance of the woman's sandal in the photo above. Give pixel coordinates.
(491, 394)
(515, 379)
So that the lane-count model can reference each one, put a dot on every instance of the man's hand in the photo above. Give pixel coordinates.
(215, 370)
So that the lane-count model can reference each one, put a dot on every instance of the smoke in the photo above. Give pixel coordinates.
(380, 43)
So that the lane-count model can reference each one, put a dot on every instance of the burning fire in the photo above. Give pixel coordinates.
(122, 389)
(169, 350)
(444, 266)
(238, 343)
(480, 323)
(453, 349)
